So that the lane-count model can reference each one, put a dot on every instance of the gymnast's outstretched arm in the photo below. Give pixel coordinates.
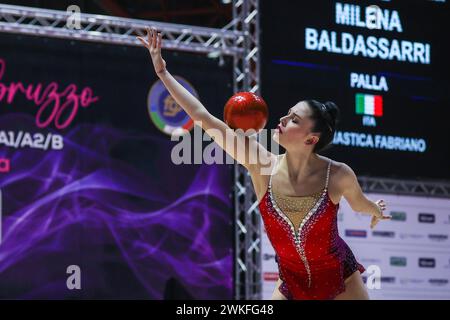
(357, 200)
(238, 146)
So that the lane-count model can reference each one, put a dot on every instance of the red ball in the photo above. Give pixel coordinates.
(246, 110)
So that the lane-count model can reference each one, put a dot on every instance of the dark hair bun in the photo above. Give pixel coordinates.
(333, 111)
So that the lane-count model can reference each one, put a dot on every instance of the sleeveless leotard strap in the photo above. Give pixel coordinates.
(328, 175)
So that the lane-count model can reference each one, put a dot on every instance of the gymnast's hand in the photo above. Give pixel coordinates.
(379, 216)
(153, 43)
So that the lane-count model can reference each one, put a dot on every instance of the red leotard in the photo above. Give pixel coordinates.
(314, 260)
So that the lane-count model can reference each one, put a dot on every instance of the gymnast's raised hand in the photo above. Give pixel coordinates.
(153, 42)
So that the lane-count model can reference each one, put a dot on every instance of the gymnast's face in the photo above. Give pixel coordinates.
(295, 127)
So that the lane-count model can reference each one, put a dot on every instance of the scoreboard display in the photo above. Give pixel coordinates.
(384, 63)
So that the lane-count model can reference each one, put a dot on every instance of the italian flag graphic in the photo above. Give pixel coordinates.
(369, 104)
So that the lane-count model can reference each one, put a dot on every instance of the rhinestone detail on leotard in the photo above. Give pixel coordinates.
(306, 223)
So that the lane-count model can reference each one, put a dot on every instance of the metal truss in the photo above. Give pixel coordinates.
(437, 189)
(248, 273)
(115, 30)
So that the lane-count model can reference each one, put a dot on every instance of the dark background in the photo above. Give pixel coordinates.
(416, 105)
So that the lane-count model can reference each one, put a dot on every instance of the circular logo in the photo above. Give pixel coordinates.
(165, 112)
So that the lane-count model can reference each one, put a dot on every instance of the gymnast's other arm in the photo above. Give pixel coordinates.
(238, 146)
(351, 191)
